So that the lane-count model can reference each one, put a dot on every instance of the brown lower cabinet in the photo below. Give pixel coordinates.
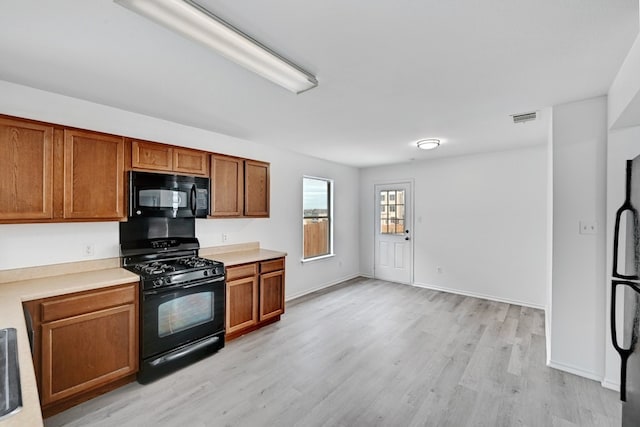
(255, 296)
(85, 344)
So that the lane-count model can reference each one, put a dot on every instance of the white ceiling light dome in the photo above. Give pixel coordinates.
(428, 144)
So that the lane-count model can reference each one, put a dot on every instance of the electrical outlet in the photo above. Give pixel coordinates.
(588, 227)
(225, 237)
(88, 250)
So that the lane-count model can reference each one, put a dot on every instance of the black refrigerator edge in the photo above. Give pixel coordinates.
(625, 295)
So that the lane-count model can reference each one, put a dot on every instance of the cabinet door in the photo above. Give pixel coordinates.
(192, 162)
(26, 170)
(256, 188)
(271, 294)
(86, 351)
(149, 155)
(227, 177)
(242, 304)
(93, 175)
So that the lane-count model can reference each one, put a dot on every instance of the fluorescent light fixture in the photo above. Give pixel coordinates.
(195, 22)
(428, 144)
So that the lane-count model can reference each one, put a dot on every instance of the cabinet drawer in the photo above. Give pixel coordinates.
(241, 271)
(273, 265)
(63, 307)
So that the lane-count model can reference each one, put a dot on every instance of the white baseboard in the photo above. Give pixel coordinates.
(574, 370)
(323, 286)
(478, 295)
(611, 385)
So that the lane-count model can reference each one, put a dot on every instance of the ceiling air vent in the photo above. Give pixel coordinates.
(524, 117)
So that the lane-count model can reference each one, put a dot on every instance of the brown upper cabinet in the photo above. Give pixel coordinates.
(26, 170)
(256, 188)
(153, 156)
(51, 173)
(227, 186)
(93, 175)
(240, 187)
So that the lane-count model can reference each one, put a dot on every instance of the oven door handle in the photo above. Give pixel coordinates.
(183, 352)
(182, 286)
(193, 285)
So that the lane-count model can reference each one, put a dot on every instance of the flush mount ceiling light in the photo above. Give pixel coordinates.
(428, 144)
(195, 22)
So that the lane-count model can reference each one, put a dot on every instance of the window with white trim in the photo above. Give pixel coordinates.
(317, 217)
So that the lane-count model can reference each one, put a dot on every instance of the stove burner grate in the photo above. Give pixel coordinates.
(195, 262)
(154, 268)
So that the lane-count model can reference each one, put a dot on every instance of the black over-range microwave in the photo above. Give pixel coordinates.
(168, 196)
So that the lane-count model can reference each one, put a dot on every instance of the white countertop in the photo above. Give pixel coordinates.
(243, 257)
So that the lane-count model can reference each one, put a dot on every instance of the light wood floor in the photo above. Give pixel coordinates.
(369, 353)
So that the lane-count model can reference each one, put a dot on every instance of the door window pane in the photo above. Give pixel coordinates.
(392, 213)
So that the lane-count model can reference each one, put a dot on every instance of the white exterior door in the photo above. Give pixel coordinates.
(393, 237)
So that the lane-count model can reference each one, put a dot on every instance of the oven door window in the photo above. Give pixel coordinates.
(179, 316)
(185, 312)
(162, 198)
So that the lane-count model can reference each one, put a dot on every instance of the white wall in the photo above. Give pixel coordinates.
(578, 277)
(481, 218)
(624, 93)
(24, 245)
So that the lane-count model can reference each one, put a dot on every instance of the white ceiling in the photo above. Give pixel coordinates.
(391, 72)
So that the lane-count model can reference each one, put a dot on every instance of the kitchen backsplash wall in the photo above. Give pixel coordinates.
(28, 245)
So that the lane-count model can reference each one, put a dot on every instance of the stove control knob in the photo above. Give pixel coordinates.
(158, 282)
(206, 273)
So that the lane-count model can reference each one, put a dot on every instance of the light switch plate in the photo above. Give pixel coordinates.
(588, 227)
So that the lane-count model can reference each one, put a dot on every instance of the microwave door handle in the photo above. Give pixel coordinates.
(193, 201)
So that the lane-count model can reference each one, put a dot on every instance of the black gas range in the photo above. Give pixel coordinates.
(182, 296)
(168, 262)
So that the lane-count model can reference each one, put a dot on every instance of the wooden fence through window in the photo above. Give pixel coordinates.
(316, 237)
